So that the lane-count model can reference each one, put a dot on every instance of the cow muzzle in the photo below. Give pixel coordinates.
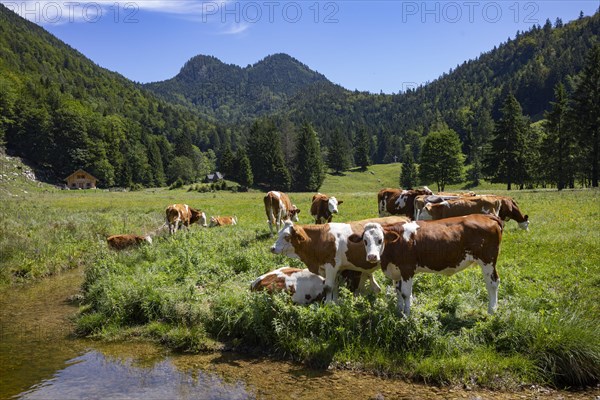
(373, 258)
(274, 249)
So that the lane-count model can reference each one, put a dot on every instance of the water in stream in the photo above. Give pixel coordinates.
(40, 360)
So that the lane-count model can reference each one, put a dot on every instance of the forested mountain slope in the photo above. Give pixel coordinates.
(62, 111)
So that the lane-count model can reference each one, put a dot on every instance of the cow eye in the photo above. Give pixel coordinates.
(365, 242)
(380, 241)
(287, 238)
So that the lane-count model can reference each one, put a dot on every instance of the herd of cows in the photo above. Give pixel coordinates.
(416, 231)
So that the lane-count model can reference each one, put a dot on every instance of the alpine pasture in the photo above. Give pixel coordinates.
(191, 291)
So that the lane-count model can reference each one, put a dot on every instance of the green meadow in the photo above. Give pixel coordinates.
(190, 292)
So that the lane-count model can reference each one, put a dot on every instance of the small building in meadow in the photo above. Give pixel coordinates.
(216, 177)
(81, 180)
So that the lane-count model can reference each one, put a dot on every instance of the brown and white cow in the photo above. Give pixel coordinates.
(179, 215)
(304, 286)
(326, 250)
(323, 207)
(458, 207)
(444, 247)
(399, 202)
(122, 242)
(422, 200)
(279, 208)
(222, 221)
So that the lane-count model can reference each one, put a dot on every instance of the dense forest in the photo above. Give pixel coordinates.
(537, 90)
(63, 112)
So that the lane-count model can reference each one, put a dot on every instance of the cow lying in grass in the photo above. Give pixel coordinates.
(122, 242)
(222, 221)
(304, 286)
(446, 247)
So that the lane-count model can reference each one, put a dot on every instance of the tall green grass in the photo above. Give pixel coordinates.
(190, 292)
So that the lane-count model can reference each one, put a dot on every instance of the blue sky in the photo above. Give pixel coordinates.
(366, 45)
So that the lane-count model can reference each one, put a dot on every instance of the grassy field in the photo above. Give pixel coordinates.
(191, 292)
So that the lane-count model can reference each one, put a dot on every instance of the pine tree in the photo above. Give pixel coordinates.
(338, 157)
(226, 160)
(441, 158)
(506, 161)
(309, 164)
(362, 148)
(557, 148)
(408, 176)
(243, 171)
(586, 115)
(266, 156)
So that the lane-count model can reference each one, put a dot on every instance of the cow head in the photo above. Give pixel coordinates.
(375, 237)
(288, 238)
(198, 216)
(332, 205)
(294, 213)
(525, 224)
(213, 222)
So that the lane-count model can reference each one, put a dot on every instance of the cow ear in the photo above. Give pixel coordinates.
(297, 211)
(391, 236)
(526, 217)
(299, 234)
(340, 202)
(355, 238)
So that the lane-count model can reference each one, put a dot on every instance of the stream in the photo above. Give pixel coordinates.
(40, 359)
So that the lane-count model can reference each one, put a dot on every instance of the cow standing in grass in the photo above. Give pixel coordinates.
(326, 250)
(446, 247)
(279, 208)
(323, 207)
(398, 201)
(179, 215)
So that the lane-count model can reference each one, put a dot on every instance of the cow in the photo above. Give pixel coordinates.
(458, 207)
(122, 242)
(279, 208)
(445, 246)
(323, 207)
(421, 200)
(325, 250)
(222, 221)
(304, 286)
(179, 215)
(399, 202)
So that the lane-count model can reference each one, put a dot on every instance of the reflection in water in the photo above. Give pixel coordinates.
(96, 375)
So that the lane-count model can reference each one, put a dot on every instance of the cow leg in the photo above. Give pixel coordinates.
(492, 281)
(404, 295)
(330, 287)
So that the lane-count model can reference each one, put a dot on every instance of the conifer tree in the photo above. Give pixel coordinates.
(266, 156)
(338, 157)
(506, 162)
(243, 171)
(408, 176)
(226, 160)
(309, 165)
(586, 115)
(362, 148)
(557, 147)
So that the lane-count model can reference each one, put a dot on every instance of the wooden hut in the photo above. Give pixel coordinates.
(81, 180)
